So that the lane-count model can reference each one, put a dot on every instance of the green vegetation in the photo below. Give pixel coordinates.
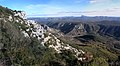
(99, 62)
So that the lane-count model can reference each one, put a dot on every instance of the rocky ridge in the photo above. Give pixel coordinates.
(72, 28)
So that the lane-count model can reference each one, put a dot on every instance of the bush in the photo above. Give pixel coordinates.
(99, 62)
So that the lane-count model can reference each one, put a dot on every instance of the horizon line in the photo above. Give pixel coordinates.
(67, 16)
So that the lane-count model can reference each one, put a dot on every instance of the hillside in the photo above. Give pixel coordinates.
(109, 28)
(26, 43)
(106, 32)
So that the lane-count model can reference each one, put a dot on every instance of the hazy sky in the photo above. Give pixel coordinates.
(65, 7)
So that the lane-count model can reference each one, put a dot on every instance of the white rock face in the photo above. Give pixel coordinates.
(59, 46)
(37, 30)
(34, 29)
(45, 40)
(25, 34)
(81, 26)
(21, 14)
(10, 18)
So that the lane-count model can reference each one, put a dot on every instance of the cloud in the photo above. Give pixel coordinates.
(99, 1)
(49, 10)
(93, 1)
(79, 12)
(43, 8)
(105, 12)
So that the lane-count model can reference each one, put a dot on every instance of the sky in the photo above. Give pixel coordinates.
(58, 8)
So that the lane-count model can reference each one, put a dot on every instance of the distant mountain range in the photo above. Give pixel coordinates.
(74, 19)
